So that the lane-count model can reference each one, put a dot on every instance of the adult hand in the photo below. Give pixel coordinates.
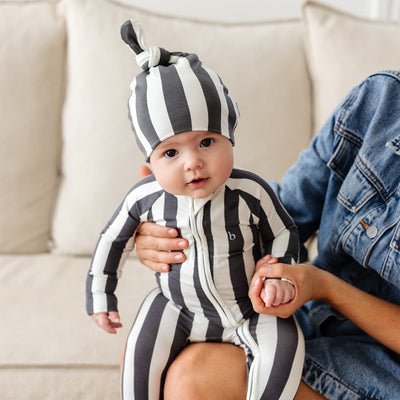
(158, 246)
(312, 283)
(307, 280)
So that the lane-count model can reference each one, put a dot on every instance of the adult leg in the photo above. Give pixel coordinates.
(214, 371)
(211, 371)
(306, 393)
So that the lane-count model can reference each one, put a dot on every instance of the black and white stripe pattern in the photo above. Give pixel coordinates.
(174, 94)
(274, 349)
(206, 297)
(227, 232)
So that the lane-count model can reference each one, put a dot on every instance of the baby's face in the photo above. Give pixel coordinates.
(193, 164)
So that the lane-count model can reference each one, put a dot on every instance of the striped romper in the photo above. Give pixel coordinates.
(206, 297)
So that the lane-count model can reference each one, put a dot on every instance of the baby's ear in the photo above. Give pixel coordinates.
(129, 36)
(144, 171)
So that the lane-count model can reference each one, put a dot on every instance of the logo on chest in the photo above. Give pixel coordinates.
(231, 236)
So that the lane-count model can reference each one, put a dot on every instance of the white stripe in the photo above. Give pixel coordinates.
(194, 95)
(187, 271)
(103, 249)
(267, 339)
(199, 328)
(222, 279)
(132, 106)
(157, 107)
(138, 29)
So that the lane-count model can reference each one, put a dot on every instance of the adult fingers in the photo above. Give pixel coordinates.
(153, 229)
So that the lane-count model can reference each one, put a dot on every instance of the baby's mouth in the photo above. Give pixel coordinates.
(198, 182)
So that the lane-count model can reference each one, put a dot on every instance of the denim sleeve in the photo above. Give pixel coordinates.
(304, 187)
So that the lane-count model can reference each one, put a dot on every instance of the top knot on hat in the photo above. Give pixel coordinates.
(174, 94)
(146, 56)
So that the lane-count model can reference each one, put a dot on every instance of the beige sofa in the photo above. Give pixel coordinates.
(68, 156)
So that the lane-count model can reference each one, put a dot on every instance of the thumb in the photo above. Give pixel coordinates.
(114, 316)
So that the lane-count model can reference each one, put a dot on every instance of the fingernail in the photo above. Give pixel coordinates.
(182, 244)
(165, 268)
(178, 257)
(172, 232)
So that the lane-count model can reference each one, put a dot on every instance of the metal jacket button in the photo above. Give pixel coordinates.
(372, 231)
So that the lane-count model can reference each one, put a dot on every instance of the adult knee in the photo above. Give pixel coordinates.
(207, 371)
(183, 380)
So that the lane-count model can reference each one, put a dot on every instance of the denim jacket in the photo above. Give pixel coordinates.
(346, 187)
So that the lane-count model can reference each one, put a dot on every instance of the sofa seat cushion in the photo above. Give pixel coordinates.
(44, 318)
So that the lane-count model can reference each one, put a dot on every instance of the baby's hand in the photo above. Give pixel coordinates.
(109, 321)
(276, 292)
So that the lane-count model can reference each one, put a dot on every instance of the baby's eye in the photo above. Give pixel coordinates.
(171, 153)
(207, 142)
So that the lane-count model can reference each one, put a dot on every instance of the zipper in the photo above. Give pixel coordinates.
(206, 280)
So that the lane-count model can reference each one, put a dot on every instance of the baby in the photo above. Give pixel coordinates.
(184, 122)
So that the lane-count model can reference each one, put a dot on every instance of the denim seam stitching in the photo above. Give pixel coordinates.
(372, 178)
(337, 380)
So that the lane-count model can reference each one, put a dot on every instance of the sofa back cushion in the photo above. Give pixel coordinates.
(342, 51)
(262, 64)
(32, 59)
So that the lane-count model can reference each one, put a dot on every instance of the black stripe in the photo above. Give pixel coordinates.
(253, 331)
(119, 243)
(89, 294)
(114, 258)
(138, 142)
(208, 309)
(284, 355)
(175, 99)
(129, 36)
(174, 282)
(236, 262)
(283, 214)
(127, 230)
(208, 233)
(214, 332)
(145, 346)
(210, 94)
(264, 227)
(142, 111)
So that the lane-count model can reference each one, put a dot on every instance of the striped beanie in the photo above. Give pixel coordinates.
(175, 93)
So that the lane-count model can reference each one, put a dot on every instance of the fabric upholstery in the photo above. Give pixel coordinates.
(31, 87)
(100, 156)
(342, 50)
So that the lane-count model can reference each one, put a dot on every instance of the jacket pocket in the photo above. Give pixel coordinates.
(356, 189)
